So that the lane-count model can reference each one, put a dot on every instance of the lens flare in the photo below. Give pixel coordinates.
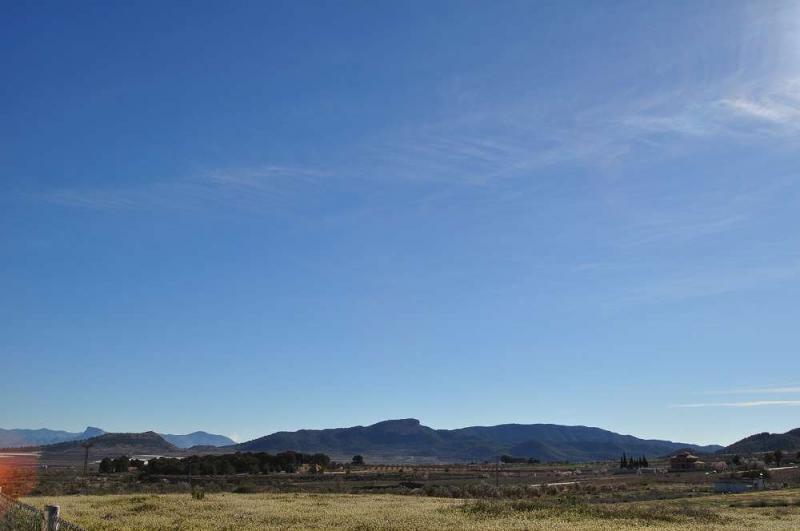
(18, 472)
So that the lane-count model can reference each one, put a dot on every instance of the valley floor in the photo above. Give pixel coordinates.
(779, 510)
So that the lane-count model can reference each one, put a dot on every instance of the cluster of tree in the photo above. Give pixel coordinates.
(207, 465)
(774, 458)
(770, 458)
(633, 462)
(120, 464)
(358, 459)
(512, 459)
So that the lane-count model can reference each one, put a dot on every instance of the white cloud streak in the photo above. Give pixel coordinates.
(762, 111)
(756, 390)
(765, 110)
(252, 189)
(752, 403)
(512, 141)
(709, 283)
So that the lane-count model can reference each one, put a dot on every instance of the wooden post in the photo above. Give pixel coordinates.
(51, 513)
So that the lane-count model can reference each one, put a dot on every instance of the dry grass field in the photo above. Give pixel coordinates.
(762, 510)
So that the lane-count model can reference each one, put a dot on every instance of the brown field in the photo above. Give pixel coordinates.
(760, 510)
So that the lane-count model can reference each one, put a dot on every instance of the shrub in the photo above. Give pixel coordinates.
(532, 491)
(246, 488)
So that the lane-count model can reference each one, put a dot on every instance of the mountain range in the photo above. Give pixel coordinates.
(406, 440)
(17, 438)
(397, 441)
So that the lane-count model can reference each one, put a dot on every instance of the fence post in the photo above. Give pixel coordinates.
(51, 517)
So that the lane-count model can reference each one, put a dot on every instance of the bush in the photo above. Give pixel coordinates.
(532, 491)
(246, 488)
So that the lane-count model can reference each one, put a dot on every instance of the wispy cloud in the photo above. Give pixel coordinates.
(708, 283)
(756, 390)
(484, 152)
(251, 188)
(762, 390)
(752, 403)
(768, 110)
(693, 120)
(748, 111)
(519, 140)
(778, 103)
(690, 227)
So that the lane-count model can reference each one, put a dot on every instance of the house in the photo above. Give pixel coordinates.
(684, 461)
(734, 485)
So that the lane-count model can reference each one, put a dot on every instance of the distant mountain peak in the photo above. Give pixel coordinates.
(91, 431)
(401, 424)
(404, 422)
(198, 438)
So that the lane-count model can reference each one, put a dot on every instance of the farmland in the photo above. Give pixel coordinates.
(761, 510)
(479, 496)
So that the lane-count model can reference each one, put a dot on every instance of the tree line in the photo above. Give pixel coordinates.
(120, 464)
(633, 462)
(511, 459)
(208, 465)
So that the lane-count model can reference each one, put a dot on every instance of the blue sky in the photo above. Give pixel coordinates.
(260, 216)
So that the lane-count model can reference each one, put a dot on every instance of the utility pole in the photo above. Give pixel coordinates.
(86, 445)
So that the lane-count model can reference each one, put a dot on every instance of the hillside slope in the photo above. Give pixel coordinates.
(765, 442)
(110, 445)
